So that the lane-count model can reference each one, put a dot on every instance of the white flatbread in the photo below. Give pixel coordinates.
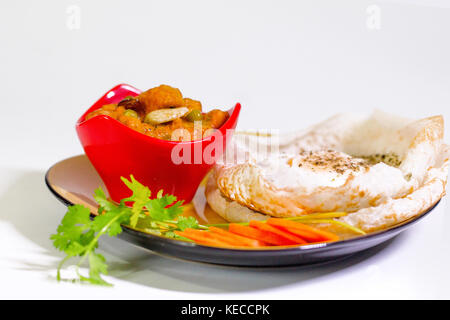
(376, 195)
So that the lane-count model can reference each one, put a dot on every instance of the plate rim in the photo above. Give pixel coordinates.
(286, 249)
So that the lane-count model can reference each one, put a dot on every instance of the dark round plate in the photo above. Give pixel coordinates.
(74, 180)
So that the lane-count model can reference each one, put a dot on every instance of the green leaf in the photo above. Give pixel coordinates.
(107, 220)
(162, 209)
(155, 210)
(140, 192)
(97, 266)
(166, 200)
(102, 201)
(77, 235)
(187, 222)
(175, 210)
(75, 222)
(87, 237)
(75, 249)
(140, 196)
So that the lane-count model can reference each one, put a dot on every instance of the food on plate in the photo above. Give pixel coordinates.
(78, 235)
(308, 233)
(160, 111)
(273, 232)
(163, 215)
(380, 170)
(346, 176)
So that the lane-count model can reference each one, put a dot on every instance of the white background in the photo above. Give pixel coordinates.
(289, 63)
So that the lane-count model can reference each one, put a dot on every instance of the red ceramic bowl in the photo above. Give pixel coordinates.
(116, 150)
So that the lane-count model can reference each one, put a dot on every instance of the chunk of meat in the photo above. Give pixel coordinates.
(192, 104)
(160, 97)
(216, 118)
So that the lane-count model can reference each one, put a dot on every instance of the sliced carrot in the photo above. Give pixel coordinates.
(202, 239)
(243, 240)
(216, 236)
(268, 228)
(264, 236)
(226, 239)
(329, 236)
(307, 232)
(310, 237)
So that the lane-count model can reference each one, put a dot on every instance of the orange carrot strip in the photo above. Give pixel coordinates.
(294, 239)
(243, 240)
(202, 239)
(264, 236)
(211, 235)
(326, 234)
(304, 233)
(298, 228)
(310, 237)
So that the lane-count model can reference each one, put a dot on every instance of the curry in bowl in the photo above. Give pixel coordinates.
(162, 112)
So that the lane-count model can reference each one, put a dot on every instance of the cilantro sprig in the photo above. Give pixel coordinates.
(78, 234)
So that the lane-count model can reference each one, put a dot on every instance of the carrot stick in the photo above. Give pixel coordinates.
(226, 237)
(268, 228)
(264, 236)
(330, 236)
(309, 233)
(310, 237)
(202, 239)
(243, 240)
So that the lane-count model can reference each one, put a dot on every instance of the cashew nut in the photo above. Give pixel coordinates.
(165, 115)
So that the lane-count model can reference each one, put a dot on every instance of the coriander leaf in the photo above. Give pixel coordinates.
(102, 201)
(73, 225)
(75, 249)
(140, 192)
(108, 222)
(166, 200)
(116, 227)
(140, 196)
(175, 210)
(77, 235)
(111, 220)
(173, 235)
(158, 208)
(87, 237)
(187, 222)
(97, 266)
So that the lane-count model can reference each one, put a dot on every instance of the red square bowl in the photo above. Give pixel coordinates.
(117, 151)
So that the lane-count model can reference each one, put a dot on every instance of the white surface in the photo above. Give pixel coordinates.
(289, 63)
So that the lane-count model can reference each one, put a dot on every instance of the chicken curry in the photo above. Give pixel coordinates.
(160, 111)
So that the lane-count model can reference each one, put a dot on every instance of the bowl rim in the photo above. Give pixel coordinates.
(82, 122)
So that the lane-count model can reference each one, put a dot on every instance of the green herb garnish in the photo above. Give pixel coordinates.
(78, 234)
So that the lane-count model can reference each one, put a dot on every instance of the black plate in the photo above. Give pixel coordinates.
(302, 255)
